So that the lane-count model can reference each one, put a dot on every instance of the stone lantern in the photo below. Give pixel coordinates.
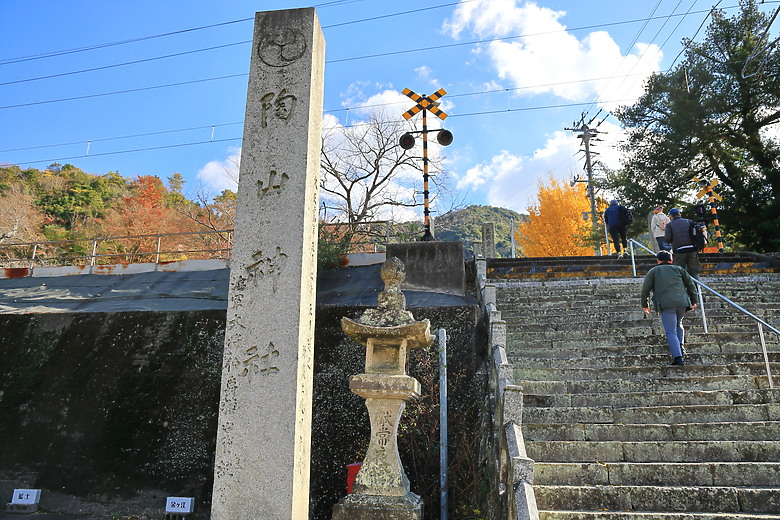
(381, 489)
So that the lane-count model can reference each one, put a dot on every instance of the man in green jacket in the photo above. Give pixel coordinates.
(673, 293)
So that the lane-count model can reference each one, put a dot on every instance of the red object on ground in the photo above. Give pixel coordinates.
(352, 471)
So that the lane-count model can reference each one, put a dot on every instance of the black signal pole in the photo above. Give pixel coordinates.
(444, 137)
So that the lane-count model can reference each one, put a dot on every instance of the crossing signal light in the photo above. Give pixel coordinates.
(444, 137)
(407, 141)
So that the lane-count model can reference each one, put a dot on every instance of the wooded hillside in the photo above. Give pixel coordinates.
(63, 202)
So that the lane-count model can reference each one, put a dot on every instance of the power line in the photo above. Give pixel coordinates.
(103, 139)
(335, 61)
(117, 152)
(363, 107)
(53, 54)
(134, 62)
(140, 89)
(328, 62)
(631, 46)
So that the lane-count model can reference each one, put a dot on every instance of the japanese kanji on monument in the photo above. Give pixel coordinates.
(263, 450)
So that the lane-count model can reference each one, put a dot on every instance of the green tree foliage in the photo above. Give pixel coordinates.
(466, 225)
(72, 197)
(710, 117)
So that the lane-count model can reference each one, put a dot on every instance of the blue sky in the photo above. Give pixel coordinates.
(516, 74)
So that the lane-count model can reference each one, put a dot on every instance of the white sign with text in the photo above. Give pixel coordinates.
(179, 505)
(26, 496)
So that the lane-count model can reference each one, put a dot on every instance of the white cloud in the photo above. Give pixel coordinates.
(511, 181)
(217, 176)
(548, 60)
(426, 74)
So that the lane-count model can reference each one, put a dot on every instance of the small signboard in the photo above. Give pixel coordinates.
(26, 496)
(24, 501)
(179, 505)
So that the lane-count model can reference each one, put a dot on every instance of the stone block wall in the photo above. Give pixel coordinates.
(109, 413)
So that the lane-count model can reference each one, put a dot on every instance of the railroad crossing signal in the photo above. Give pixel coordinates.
(428, 103)
(425, 104)
(706, 190)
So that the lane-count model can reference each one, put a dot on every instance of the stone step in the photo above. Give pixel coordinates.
(648, 515)
(675, 381)
(620, 269)
(654, 451)
(637, 399)
(522, 374)
(654, 414)
(627, 295)
(609, 288)
(716, 499)
(718, 282)
(566, 318)
(638, 328)
(625, 301)
(724, 340)
(615, 360)
(724, 431)
(541, 354)
(655, 474)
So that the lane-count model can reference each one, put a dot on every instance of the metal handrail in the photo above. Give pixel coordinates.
(94, 255)
(699, 284)
(35, 255)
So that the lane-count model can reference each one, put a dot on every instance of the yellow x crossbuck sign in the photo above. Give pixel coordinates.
(708, 189)
(425, 103)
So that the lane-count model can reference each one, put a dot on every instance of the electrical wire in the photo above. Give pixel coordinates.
(454, 116)
(328, 62)
(116, 138)
(118, 152)
(631, 46)
(52, 54)
(134, 62)
(346, 109)
(139, 89)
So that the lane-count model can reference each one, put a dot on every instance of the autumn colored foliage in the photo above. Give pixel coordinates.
(64, 203)
(555, 226)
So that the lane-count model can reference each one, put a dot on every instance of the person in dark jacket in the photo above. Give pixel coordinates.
(673, 293)
(678, 233)
(614, 218)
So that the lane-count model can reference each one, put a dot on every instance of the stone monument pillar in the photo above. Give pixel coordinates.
(489, 240)
(381, 489)
(263, 450)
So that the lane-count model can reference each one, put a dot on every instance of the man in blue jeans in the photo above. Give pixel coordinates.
(673, 293)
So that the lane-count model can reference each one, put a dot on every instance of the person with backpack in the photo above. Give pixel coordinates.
(673, 295)
(617, 218)
(679, 233)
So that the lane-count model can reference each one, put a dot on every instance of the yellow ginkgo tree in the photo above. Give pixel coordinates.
(555, 226)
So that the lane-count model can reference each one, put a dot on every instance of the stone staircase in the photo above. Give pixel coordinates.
(617, 433)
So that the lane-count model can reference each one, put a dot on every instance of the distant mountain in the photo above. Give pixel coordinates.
(466, 225)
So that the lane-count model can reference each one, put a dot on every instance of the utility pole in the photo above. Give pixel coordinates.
(586, 134)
